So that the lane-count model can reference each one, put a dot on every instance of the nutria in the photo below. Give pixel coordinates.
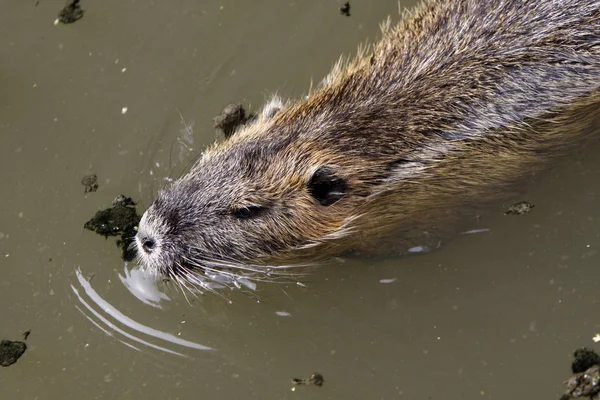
(458, 100)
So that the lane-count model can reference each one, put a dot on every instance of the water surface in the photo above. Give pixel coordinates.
(490, 315)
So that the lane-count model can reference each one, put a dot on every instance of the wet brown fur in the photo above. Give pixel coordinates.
(458, 100)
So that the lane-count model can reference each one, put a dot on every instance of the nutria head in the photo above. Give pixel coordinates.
(272, 191)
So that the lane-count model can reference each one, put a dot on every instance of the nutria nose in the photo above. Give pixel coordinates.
(148, 244)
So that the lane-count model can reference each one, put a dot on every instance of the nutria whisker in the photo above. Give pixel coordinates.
(252, 272)
(201, 257)
(189, 282)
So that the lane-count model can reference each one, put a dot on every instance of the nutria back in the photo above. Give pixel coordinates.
(458, 100)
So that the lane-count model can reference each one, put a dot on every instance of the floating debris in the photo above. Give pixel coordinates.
(121, 219)
(71, 12)
(315, 379)
(586, 381)
(11, 351)
(520, 208)
(232, 116)
(345, 9)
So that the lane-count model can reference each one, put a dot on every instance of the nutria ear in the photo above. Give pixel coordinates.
(325, 186)
(274, 105)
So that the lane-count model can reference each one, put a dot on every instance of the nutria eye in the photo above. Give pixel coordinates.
(325, 186)
(247, 212)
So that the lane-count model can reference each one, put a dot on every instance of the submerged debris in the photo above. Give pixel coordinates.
(10, 351)
(90, 182)
(121, 219)
(71, 12)
(520, 208)
(315, 379)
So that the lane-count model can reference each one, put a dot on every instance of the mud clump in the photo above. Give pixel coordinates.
(230, 118)
(345, 9)
(520, 208)
(121, 220)
(11, 351)
(315, 379)
(585, 383)
(70, 13)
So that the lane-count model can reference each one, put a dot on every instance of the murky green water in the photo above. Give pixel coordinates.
(488, 316)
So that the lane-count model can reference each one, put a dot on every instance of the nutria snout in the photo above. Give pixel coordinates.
(459, 99)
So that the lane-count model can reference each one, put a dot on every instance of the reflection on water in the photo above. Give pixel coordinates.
(145, 290)
(475, 231)
(142, 286)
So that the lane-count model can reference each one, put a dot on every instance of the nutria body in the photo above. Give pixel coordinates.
(459, 99)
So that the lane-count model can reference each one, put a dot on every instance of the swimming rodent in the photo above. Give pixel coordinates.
(458, 100)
